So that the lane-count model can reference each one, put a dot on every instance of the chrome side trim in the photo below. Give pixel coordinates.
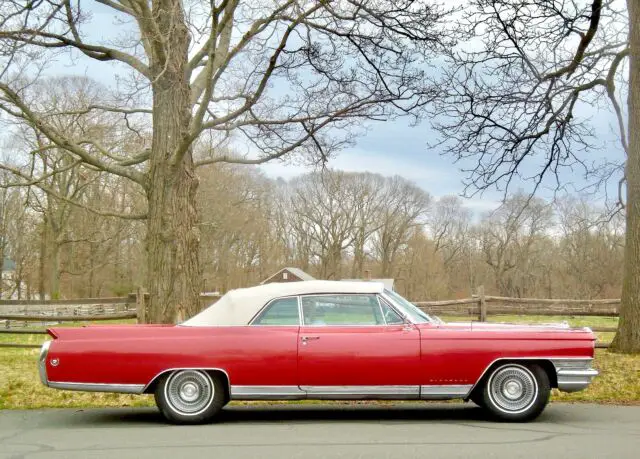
(362, 392)
(98, 387)
(186, 368)
(559, 364)
(267, 393)
(42, 362)
(443, 392)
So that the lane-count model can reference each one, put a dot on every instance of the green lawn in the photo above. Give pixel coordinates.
(20, 387)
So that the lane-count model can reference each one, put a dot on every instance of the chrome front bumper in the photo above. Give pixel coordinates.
(42, 363)
(574, 374)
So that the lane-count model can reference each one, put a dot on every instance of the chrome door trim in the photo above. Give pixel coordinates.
(267, 393)
(98, 387)
(443, 392)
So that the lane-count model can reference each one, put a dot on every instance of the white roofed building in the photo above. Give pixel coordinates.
(288, 275)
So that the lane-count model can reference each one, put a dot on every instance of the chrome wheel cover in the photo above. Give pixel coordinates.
(189, 392)
(513, 389)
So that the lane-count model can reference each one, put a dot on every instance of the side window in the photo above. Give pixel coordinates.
(283, 311)
(341, 310)
(391, 317)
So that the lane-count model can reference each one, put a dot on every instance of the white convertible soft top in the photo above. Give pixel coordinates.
(239, 306)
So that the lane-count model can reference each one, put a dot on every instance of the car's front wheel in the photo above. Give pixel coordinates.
(516, 392)
(190, 396)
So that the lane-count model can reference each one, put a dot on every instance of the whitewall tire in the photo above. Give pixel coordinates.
(190, 396)
(516, 392)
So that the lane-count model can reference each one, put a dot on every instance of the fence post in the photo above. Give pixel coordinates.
(141, 306)
(483, 304)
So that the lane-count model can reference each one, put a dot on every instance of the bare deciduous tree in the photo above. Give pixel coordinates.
(213, 70)
(510, 238)
(515, 102)
(403, 207)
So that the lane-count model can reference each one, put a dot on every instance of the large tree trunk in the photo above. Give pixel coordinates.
(43, 258)
(628, 337)
(54, 268)
(174, 276)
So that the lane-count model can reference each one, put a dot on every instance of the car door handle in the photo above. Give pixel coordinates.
(309, 338)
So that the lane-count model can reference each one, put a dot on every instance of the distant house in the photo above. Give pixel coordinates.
(288, 275)
(8, 269)
(388, 283)
(10, 288)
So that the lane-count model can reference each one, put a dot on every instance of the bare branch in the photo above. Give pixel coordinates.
(61, 141)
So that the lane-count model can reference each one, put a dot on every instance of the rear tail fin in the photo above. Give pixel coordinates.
(53, 333)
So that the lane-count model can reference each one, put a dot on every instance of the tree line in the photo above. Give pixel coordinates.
(509, 84)
(331, 224)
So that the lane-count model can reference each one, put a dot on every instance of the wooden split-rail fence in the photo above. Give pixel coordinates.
(18, 316)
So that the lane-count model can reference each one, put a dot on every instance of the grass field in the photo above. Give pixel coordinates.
(20, 387)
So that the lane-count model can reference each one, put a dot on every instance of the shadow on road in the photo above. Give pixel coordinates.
(291, 414)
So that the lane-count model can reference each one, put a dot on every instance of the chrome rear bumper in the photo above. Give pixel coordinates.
(42, 362)
(574, 374)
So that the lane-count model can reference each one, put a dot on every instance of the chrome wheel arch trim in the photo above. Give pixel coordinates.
(205, 369)
(557, 363)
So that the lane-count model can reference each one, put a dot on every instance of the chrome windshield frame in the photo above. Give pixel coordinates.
(401, 309)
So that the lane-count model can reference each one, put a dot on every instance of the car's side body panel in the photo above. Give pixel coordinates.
(263, 362)
(135, 355)
(459, 354)
(359, 356)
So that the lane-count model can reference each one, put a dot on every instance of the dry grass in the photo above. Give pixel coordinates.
(618, 382)
(20, 387)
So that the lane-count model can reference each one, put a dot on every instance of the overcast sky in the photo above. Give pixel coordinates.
(388, 148)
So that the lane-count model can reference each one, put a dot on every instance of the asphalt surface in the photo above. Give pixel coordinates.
(321, 431)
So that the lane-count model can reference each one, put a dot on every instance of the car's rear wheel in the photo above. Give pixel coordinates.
(516, 392)
(190, 396)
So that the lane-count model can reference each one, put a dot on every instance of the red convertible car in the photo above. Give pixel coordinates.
(321, 340)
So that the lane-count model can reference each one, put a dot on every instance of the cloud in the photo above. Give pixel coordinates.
(415, 169)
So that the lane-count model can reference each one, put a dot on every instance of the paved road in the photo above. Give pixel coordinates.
(320, 431)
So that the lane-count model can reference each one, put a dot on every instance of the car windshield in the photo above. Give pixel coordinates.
(409, 309)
